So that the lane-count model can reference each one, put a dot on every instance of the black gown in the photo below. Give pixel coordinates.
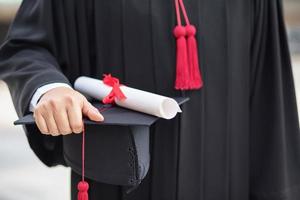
(238, 137)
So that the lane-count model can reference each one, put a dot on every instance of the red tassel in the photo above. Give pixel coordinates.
(182, 73)
(196, 81)
(83, 188)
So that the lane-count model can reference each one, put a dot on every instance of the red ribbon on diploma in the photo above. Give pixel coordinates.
(116, 91)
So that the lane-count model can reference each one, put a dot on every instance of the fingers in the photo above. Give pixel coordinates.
(62, 122)
(91, 112)
(51, 124)
(75, 118)
(45, 120)
(41, 123)
(60, 110)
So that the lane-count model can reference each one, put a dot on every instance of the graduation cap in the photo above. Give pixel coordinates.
(117, 149)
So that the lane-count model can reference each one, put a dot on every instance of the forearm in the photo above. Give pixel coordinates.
(26, 70)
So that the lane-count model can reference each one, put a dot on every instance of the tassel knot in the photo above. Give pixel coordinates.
(190, 30)
(179, 31)
(83, 188)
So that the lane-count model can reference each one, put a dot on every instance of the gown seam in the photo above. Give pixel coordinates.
(203, 112)
(152, 46)
(228, 123)
(122, 41)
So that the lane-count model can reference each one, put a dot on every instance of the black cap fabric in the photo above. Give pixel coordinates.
(117, 149)
(114, 115)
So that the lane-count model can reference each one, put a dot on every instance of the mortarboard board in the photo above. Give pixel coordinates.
(118, 148)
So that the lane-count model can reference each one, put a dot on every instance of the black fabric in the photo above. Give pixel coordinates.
(96, 190)
(274, 138)
(118, 150)
(116, 155)
(238, 137)
(106, 191)
(113, 115)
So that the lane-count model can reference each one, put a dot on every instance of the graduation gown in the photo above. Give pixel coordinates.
(238, 137)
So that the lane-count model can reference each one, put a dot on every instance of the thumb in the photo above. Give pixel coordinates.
(91, 112)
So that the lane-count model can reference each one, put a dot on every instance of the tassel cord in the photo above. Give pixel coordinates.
(184, 12)
(83, 151)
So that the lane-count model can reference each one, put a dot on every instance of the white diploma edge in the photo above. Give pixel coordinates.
(137, 100)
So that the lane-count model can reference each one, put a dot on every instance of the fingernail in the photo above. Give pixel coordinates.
(98, 114)
(95, 109)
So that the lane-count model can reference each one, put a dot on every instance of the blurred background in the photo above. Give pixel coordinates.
(23, 176)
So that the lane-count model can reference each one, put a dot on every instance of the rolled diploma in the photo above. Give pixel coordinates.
(138, 100)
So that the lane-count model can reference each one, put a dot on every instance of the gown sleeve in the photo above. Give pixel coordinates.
(27, 63)
(275, 137)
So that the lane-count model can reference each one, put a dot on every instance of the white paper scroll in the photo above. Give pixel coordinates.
(137, 100)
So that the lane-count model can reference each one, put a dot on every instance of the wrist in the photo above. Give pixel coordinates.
(42, 90)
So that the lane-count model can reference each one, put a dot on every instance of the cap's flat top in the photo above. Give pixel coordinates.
(113, 115)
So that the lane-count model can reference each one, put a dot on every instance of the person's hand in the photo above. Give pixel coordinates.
(60, 110)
